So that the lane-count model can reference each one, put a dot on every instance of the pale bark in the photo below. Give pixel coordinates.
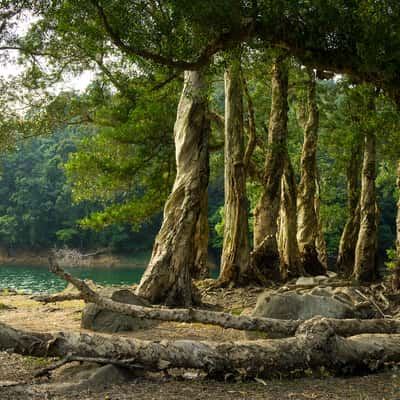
(315, 345)
(348, 240)
(307, 219)
(265, 256)
(200, 268)
(287, 242)
(396, 272)
(167, 277)
(235, 260)
(365, 266)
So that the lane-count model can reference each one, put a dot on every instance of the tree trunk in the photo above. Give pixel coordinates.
(167, 278)
(315, 346)
(396, 272)
(265, 256)
(365, 267)
(307, 231)
(320, 242)
(288, 248)
(200, 269)
(235, 260)
(348, 241)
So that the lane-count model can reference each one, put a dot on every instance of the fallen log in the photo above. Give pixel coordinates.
(54, 298)
(315, 346)
(273, 327)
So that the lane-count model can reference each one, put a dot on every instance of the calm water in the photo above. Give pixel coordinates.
(39, 280)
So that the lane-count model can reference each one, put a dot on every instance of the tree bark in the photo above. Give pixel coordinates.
(365, 267)
(315, 345)
(167, 278)
(265, 256)
(348, 240)
(200, 269)
(396, 272)
(235, 260)
(320, 242)
(291, 266)
(307, 230)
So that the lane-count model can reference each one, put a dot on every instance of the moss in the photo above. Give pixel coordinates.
(237, 311)
(36, 362)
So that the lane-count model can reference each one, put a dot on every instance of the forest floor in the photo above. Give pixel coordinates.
(17, 372)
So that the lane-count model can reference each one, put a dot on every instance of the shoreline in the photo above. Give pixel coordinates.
(99, 261)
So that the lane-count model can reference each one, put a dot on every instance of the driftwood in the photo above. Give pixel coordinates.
(273, 327)
(315, 346)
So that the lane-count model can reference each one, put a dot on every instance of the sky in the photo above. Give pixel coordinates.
(11, 69)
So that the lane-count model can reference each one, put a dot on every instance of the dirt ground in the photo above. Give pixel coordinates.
(17, 381)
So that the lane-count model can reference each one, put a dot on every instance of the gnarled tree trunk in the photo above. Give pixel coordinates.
(200, 269)
(365, 266)
(396, 272)
(348, 241)
(235, 260)
(287, 242)
(167, 278)
(265, 256)
(307, 220)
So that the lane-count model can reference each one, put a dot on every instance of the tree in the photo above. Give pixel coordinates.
(308, 220)
(235, 260)
(265, 256)
(167, 278)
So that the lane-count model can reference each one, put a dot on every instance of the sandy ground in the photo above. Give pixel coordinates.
(17, 382)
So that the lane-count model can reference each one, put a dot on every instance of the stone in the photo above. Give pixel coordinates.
(296, 306)
(98, 319)
(331, 274)
(306, 281)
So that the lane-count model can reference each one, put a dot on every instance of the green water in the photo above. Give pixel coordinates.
(34, 279)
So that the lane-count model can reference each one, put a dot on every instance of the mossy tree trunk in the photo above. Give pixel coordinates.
(307, 222)
(320, 242)
(348, 240)
(167, 278)
(265, 256)
(365, 267)
(235, 260)
(287, 242)
(200, 268)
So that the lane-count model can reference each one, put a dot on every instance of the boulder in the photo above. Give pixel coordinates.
(302, 306)
(98, 319)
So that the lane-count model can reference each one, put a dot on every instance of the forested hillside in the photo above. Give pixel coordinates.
(36, 207)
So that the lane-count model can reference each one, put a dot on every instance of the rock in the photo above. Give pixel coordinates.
(331, 274)
(306, 281)
(320, 278)
(88, 376)
(324, 291)
(311, 280)
(97, 319)
(295, 306)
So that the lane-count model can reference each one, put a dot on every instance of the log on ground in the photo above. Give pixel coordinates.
(315, 346)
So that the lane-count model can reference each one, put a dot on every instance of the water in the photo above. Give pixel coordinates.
(34, 279)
